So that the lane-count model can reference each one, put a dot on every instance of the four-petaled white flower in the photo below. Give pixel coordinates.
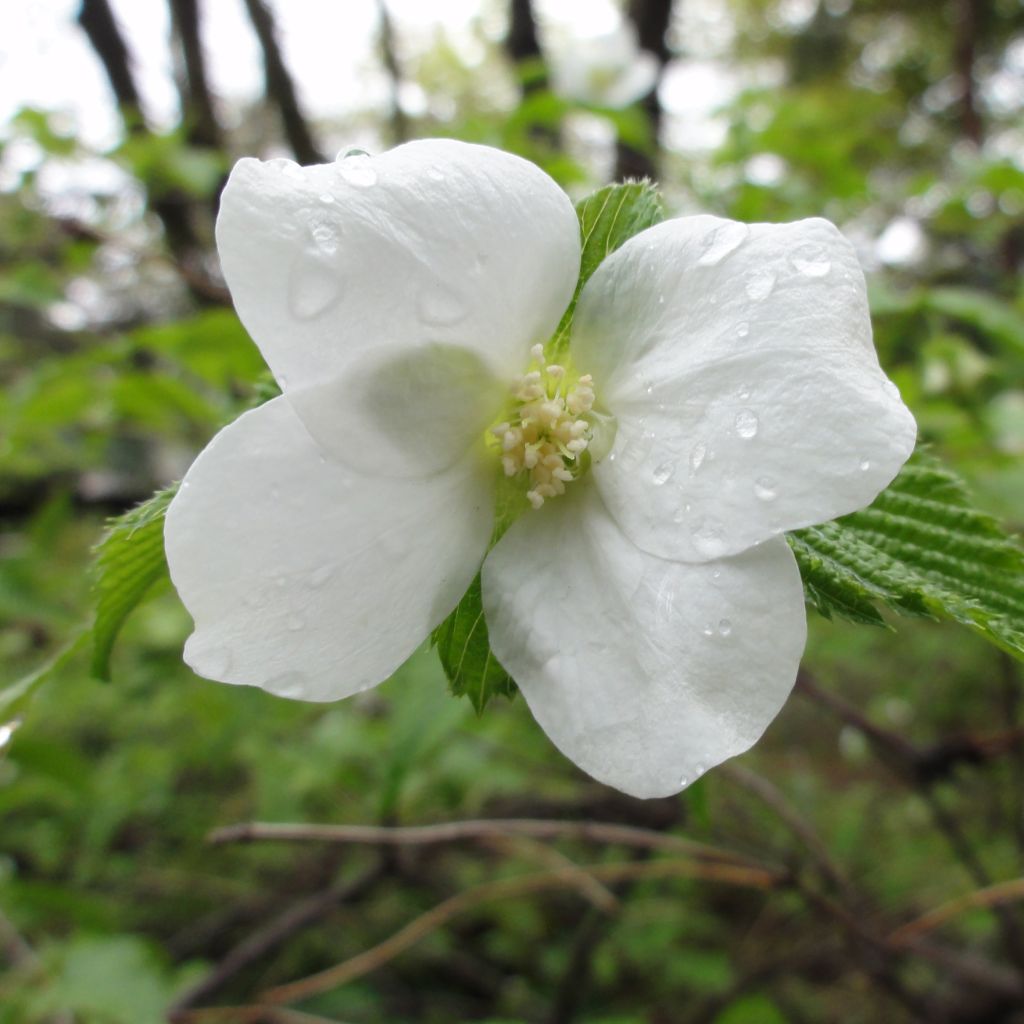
(722, 387)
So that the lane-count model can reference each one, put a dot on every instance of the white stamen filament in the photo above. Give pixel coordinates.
(547, 433)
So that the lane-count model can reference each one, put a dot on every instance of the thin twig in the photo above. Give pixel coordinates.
(791, 818)
(483, 828)
(374, 958)
(993, 895)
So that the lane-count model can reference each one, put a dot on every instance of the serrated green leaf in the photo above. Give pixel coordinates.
(465, 652)
(129, 560)
(921, 549)
(608, 218)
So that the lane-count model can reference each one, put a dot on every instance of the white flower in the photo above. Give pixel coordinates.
(652, 614)
(608, 70)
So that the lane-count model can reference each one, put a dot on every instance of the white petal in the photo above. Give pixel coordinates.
(435, 241)
(306, 578)
(644, 672)
(739, 363)
(403, 412)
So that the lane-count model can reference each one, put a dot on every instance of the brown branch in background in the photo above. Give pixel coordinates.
(1004, 892)
(389, 57)
(922, 770)
(965, 40)
(522, 43)
(484, 828)
(197, 108)
(173, 208)
(506, 888)
(271, 936)
(97, 21)
(792, 819)
(651, 18)
(280, 88)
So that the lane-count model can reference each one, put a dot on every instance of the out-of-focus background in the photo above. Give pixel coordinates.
(891, 784)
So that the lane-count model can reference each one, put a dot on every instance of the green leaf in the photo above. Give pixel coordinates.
(921, 549)
(608, 218)
(465, 651)
(129, 560)
(14, 697)
(992, 316)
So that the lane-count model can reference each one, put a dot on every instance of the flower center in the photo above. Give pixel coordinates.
(548, 429)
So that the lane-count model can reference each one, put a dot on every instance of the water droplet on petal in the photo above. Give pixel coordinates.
(697, 456)
(344, 154)
(325, 236)
(865, 465)
(435, 174)
(315, 287)
(288, 684)
(326, 197)
(662, 473)
(708, 630)
(743, 329)
(358, 170)
(746, 424)
(320, 576)
(683, 780)
(811, 260)
(764, 488)
(679, 515)
(441, 307)
(760, 284)
(716, 574)
(708, 539)
(288, 167)
(724, 627)
(661, 300)
(720, 242)
(700, 769)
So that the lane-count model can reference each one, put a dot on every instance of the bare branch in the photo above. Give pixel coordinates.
(280, 87)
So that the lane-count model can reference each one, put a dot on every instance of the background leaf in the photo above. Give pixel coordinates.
(129, 560)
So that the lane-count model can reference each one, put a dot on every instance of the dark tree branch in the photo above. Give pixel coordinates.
(279, 86)
(389, 57)
(965, 42)
(651, 18)
(197, 107)
(97, 21)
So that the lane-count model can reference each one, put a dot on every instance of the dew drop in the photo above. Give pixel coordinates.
(865, 465)
(357, 170)
(724, 627)
(663, 473)
(344, 154)
(698, 454)
(679, 515)
(325, 236)
(716, 574)
(284, 166)
(720, 242)
(326, 197)
(320, 576)
(441, 307)
(746, 424)
(288, 684)
(811, 260)
(760, 284)
(708, 539)
(743, 330)
(434, 174)
(661, 300)
(314, 288)
(683, 781)
(764, 489)
(708, 630)
(700, 768)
